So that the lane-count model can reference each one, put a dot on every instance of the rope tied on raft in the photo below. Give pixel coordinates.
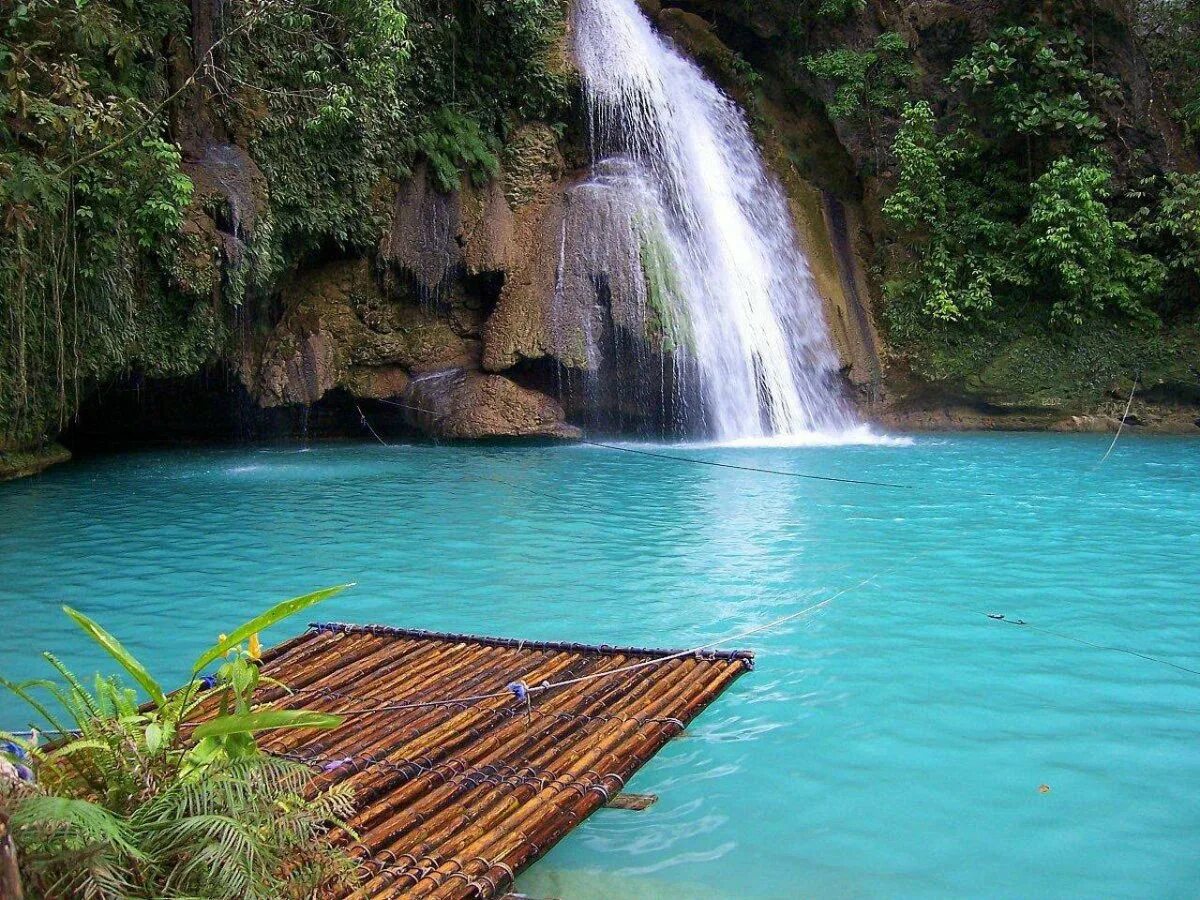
(523, 692)
(520, 690)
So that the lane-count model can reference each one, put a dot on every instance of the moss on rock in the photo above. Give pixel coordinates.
(30, 461)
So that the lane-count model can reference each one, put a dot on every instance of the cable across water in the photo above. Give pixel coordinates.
(721, 465)
(999, 617)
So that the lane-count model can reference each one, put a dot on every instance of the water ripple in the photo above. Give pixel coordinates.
(891, 744)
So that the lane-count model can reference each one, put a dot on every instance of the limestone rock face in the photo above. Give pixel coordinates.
(522, 325)
(228, 199)
(436, 237)
(339, 330)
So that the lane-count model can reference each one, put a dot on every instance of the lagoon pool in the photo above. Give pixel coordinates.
(891, 744)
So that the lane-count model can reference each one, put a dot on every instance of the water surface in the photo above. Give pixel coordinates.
(891, 744)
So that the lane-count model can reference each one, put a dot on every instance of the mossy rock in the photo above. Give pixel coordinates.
(531, 162)
(30, 461)
(340, 330)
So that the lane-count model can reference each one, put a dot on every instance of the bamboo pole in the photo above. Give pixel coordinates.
(503, 813)
(545, 801)
(453, 799)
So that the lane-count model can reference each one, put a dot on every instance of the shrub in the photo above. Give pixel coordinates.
(137, 801)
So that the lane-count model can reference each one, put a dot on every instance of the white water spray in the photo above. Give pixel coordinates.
(756, 338)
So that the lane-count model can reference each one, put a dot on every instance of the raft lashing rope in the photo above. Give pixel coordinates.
(522, 692)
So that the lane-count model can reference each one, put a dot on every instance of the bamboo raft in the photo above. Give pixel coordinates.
(458, 789)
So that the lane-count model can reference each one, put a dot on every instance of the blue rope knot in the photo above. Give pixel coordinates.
(335, 764)
(520, 690)
(14, 750)
(208, 682)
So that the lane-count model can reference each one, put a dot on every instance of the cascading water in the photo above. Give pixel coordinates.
(721, 274)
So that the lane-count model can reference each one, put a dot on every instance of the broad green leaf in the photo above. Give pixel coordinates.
(260, 623)
(114, 649)
(154, 737)
(261, 721)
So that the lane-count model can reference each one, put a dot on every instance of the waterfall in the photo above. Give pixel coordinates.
(723, 274)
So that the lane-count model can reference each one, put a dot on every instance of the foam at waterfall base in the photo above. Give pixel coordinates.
(855, 435)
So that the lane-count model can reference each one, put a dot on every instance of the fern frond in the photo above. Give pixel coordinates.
(84, 705)
(21, 689)
(80, 820)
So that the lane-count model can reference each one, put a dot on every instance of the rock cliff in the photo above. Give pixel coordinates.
(481, 287)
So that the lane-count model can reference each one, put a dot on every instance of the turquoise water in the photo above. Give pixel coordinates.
(891, 744)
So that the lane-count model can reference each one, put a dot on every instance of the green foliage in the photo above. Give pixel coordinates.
(1011, 208)
(246, 830)
(456, 143)
(957, 231)
(1172, 224)
(130, 804)
(319, 88)
(865, 80)
(91, 196)
(1170, 35)
(1084, 258)
(1027, 81)
(100, 273)
(838, 10)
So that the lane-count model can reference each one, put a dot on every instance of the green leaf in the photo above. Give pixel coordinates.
(78, 746)
(154, 737)
(22, 690)
(260, 623)
(261, 721)
(114, 649)
(80, 818)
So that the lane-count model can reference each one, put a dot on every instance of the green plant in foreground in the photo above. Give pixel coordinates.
(134, 801)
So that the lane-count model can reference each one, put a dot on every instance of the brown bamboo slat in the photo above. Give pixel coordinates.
(457, 790)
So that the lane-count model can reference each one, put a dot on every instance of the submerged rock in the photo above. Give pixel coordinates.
(465, 405)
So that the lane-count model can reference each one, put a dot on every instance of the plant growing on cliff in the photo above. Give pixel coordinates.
(1083, 258)
(865, 81)
(454, 143)
(1170, 226)
(955, 232)
(318, 87)
(90, 195)
(1170, 33)
(838, 10)
(1030, 81)
(979, 234)
(134, 802)
(332, 98)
